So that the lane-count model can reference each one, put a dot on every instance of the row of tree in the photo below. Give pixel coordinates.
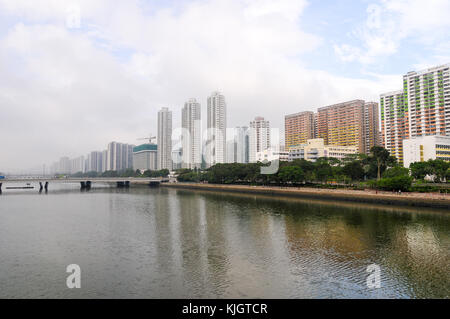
(438, 169)
(378, 170)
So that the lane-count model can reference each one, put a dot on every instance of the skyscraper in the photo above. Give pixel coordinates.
(315, 125)
(353, 123)
(242, 148)
(421, 109)
(77, 165)
(372, 134)
(238, 147)
(104, 160)
(259, 137)
(298, 128)
(129, 157)
(165, 139)
(191, 135)
(64, 165)
(119, 156)
(95, 162)
(176, 158)
(427, 94)
(231, 151)
(394, 122)
(342, 124)
(216, 144)
(111, 163)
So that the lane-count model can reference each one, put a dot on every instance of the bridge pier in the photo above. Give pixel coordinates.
(46, 187)
(1, 187)
(40, 187)
(123, 184)
(153, 184)
(86, 185)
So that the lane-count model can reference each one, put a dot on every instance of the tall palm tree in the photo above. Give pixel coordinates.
(381, 155)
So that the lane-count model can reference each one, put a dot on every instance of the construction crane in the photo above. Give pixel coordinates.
(150, 139)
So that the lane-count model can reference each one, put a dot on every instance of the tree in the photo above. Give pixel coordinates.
(438, 169)
(91, 174)
(396, 171)
(307, 167)
(129, 172)
(381, 156)
(189, 176)
(110, 174)
(76, 175)
(354, 170)
(291, 174)
(323, 170)
(162, 173)
(419, 170)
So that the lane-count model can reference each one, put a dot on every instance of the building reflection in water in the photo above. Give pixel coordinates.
(328, 247)
(221, 245)
(167, 243)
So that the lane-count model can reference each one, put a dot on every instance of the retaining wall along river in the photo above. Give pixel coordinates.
(434, 200)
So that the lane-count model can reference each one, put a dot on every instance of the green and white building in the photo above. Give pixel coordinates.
(145, 157)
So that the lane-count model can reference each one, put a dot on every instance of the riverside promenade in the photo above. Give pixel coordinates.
(434, 200)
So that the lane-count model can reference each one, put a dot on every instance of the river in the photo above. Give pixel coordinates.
(168, 243)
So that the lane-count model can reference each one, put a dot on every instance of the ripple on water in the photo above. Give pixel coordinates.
(163, 243)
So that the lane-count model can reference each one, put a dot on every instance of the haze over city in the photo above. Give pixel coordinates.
(224, 158)
(75, 76)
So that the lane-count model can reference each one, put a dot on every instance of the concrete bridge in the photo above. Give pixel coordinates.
(85, 182)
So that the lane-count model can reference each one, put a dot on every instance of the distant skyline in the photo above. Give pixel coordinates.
(77, 76)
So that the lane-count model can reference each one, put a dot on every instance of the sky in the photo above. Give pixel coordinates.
(75, 75)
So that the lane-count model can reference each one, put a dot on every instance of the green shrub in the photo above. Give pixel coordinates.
(423, 188)
(371, 184)
(397, 183)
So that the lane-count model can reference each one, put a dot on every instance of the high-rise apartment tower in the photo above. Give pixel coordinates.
(164, 139)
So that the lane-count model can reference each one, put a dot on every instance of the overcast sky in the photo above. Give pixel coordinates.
(75, 75)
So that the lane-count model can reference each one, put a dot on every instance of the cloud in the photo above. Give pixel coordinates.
(62, 94)
(390, 22)
(66, 90)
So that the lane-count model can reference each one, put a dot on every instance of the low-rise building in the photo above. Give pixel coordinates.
(316, 148)
(424, 148)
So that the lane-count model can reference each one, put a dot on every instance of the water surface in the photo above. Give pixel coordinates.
(167, 243)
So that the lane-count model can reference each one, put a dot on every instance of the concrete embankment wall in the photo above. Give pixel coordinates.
(406, 199)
